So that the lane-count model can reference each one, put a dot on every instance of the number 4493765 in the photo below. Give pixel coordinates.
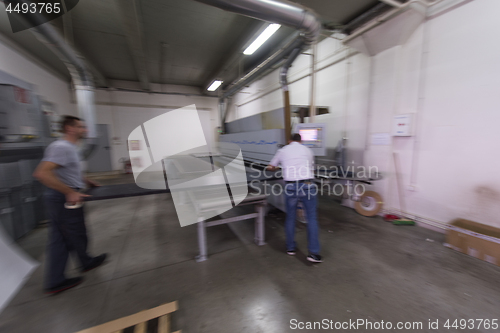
(472, 324)
(34, 7)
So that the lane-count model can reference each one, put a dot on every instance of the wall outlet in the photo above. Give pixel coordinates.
(412, 188)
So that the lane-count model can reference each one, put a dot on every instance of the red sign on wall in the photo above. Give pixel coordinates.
(22, 95)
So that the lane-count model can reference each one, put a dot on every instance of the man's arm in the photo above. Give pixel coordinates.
(45, 174)
(273, 165)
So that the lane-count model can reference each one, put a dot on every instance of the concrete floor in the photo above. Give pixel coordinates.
(372, 270)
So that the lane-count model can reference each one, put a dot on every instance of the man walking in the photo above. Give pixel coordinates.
(61, 172)
(297, 163)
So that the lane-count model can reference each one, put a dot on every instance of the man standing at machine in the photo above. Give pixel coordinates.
(61, 172)
(297, 163)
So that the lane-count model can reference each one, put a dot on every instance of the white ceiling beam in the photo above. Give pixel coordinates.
(133, 29)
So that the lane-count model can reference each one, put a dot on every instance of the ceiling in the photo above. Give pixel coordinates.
(168, 41)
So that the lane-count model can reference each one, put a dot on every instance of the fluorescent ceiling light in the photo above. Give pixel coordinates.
(270, 30)
(216, 84)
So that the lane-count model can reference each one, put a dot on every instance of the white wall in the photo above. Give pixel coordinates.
(446, 75)
(123, 111)
(50, 87)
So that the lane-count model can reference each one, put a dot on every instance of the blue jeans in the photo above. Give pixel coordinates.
(67, 233)
(308, 194)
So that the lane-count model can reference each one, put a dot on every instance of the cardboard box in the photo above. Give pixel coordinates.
(475, 239)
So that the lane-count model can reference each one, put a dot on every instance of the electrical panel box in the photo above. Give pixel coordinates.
(313, 136)
(403, 125)
(52, 123)
(21, 118)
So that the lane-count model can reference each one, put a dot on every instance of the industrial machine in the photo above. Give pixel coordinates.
(25, 130)
(260, 136)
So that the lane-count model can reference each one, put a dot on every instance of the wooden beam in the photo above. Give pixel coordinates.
(141, 317)
(164, 324)
(141, 327)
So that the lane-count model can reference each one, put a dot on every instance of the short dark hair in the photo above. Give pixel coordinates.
(296, 137)
(68, 121)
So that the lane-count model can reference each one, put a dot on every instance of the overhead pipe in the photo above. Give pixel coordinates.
(82, 78)
(274, 11)
(312, 108)
(256, 72)
(393, 3)
(284, 86)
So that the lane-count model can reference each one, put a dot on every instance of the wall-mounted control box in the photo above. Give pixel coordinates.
(403, 125)
(313, 136)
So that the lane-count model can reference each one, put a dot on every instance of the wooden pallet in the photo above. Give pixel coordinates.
(139, 321)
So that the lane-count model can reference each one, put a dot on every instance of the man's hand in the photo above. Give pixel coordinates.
(74, 197)
(271, 167)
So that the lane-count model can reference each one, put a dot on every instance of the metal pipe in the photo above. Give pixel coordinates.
(262, 67)
(312, 109)
(392, 3)
(255, 73)
(288, 14)
(274, 11)
(286, 66)
(346, 97)
(273, 89)
(286, 94)
(80, 74)
(222, 114)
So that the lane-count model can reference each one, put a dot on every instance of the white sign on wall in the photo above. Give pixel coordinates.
(402, 125)
(381, 139)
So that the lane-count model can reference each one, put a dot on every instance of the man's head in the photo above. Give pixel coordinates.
(74, 127)
(296, 138)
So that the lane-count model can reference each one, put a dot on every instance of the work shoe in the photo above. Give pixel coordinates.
(314, 258)
(291, 252)
(67, 284)
(96, 262)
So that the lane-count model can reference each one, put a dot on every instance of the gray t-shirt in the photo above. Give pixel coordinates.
(65, 154)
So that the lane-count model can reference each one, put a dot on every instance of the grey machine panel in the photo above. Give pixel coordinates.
(21, 117)
(23, 136)
(258, 146)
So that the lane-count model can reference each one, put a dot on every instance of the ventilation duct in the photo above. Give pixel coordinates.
(80, 74)
(282, 13)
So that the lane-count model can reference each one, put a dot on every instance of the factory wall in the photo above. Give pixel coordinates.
(445, 75)
(123, 111)
(52, 88)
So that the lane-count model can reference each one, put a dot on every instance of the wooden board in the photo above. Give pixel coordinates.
(139, 320)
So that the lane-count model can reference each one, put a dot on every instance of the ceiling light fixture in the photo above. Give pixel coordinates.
(268, 32)
(216, 84)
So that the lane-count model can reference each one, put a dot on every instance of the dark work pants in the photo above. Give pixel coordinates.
(67, 233)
